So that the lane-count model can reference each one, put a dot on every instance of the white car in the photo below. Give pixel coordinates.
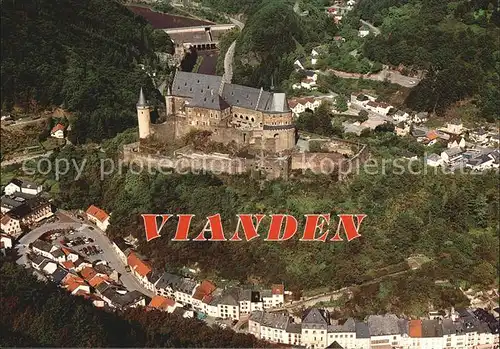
(412, 82)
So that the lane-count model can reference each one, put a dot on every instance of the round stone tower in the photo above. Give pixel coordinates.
(143, 116)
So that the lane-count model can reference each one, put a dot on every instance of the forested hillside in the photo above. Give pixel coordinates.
(457, 42)
(272, 39)
(451, 219)
(82, 55)
(36, 314)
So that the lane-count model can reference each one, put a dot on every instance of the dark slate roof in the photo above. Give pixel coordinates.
(122, 300)
(293, 328)
(10, 202)
(154, 276)
(122, 244)
(27, 207)
(187, 286)
(169, 280)
(431, 328)
(342, 326)
(24, 183)
(36, 258)
(142, 100)
(203, 89)
(210, 100)
(57, 253)
(229, 297)
(315, 318)
(335, 345)
(42, 245)
(273, 320)
(58, 275)
(381, 325)
(362, 330)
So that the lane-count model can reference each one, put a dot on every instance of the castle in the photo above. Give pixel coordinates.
(255, 120)
(246, 115)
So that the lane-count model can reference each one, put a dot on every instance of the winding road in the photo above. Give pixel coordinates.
(229, 57)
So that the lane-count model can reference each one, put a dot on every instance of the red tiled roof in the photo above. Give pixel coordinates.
(96, 212)
(160, 302)
(432, 135)
(141, 267)
(372, 104)
(207, 299)
(415, 328)
(57, 128)
(67, 251)
(294, 102)
(383, 105)
(88, 273)
(207, 287)
(278, 289)
(96, 280)
(5, 219)
(68, 265)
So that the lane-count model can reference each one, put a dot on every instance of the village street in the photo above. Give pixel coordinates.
(99, 238)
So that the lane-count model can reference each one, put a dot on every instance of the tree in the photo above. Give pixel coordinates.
(341, 104)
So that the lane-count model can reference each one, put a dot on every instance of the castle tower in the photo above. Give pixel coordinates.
(143, 116)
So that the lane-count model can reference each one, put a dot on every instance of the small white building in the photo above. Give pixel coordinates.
(23, 186)
(363, 31)
(314, 56)
(434, 160)
(10, 225)
(402, 129)
(401, 116)
(98, 217)
(452, 154)
(455, 142)
(455, 126)
(5, 241)
(57, 131)
(300, 105)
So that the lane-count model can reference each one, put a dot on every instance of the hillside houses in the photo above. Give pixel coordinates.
(466, 328)
(22, 209)
(300, 105)
(95, 281)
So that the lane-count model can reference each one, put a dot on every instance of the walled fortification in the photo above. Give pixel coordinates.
(255, 122)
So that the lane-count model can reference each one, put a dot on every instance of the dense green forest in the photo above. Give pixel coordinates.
(452, 219)
(82, 55)
(457, 42)
(265, 52)
(37, 314)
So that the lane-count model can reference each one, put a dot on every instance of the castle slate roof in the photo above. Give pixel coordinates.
(202, 90)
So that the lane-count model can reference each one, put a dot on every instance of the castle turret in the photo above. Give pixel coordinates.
(143, 116)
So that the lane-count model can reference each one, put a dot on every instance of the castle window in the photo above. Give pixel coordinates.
(198, 81)
(205, 99)
(185, 84)
(246, 118)
(235, 115)
(190, 89)
(253, 120)
(241, 116)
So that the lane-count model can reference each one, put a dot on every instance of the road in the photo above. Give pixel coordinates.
(99, 238)
(326, 297)
(229, 57)
(20, 159)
